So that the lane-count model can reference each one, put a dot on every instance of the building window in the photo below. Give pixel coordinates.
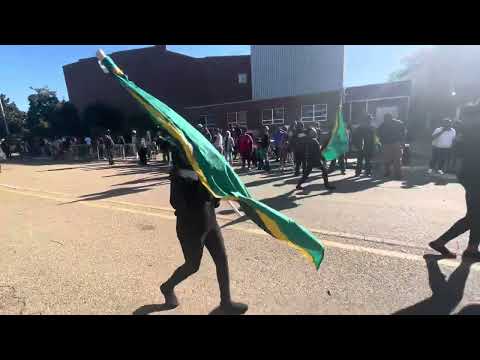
(274, 116)
(314, 113)
(242, 78)
(238, 118)
(207, 120)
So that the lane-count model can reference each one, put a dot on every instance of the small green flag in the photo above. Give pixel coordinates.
(215, 172)
(337, 145)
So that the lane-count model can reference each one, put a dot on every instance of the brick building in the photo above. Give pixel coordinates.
(275, 85)
(176, 79)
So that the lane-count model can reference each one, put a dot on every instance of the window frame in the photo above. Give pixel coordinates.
(208, 121)
(314, 118)
(246, 78)
(236, 122)
(273, 120)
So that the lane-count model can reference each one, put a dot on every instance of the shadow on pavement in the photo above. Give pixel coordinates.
(152, 308)
(280, 202)
(417, 176)
(111, 193)
(446, 294)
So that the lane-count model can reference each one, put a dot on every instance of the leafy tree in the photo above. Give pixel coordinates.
(42, 105)
(443, 78)
(65, 120)
(16, 119)
(99, 117)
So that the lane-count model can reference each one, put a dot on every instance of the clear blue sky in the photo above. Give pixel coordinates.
(22, 66)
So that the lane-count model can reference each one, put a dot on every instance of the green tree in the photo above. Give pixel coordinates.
(42, 105)
(443, 78)
(98, 117)
(16, 119)
(65, 120)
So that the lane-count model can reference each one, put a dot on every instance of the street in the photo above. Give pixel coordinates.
(87, 238)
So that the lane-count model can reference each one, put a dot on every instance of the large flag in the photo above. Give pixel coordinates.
(214, 171)
(337, 144)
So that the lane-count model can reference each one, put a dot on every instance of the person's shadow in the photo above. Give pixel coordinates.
(446, 294)
(151, 308)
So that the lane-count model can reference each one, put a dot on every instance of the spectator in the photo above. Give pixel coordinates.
(229, 147)
(109, 144)
(205, 132)
(298, 146)
(245, 147)
(264, 146)
(135, 143)
(123, 143)
(283, 146)
(88, 140)
(443, 138)
(364, 140)
(218, 141)
(392, 135)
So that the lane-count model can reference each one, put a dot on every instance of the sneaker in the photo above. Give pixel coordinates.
(233, 308)
(440, 172)
(430, 171)
(299, 187)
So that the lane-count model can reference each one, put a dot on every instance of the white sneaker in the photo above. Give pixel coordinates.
(430, 171)
(440, 172)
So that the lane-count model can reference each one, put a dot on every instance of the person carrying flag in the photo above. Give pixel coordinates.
(197, 228)
(313, 158)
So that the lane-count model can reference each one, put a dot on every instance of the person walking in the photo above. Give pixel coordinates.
(298, 144)
(392, 137)
(442, 142)
(313, 159)
(197, 228)
(469, 178)
(364, 140)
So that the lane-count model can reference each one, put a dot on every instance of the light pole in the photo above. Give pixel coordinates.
(4, 117)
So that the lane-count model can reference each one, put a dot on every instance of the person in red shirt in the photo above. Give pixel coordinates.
(245, 148)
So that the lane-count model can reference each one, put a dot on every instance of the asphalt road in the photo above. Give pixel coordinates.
(93, 239)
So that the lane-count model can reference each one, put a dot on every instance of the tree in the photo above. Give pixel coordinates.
(443, 78)
(16, 119)
(65, 121)
(42, 105)
(98, 117)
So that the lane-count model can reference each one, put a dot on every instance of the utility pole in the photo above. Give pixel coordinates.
(4, 117)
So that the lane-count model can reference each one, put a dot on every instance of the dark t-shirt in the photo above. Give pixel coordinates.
(313, 154)
(391, 132)
(364, 138)
(469, 174)
(265, 142)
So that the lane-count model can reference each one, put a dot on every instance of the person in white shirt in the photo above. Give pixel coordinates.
(443, 138)
(218, 141)
(88, 140)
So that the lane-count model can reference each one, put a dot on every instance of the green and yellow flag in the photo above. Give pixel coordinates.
(214, 171)
(337, 145)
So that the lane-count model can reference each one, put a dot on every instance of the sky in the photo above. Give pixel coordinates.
(25, 66)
